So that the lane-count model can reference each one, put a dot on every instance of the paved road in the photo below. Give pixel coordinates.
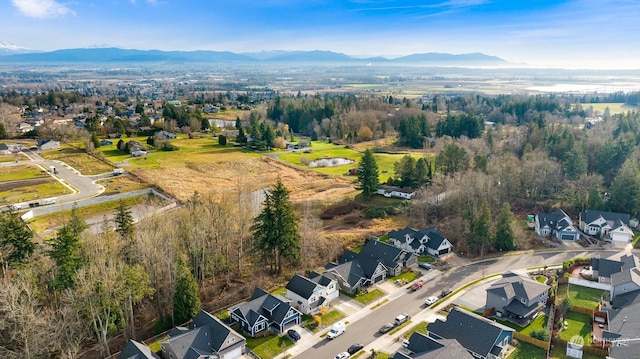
(82, 186)
(365, 329)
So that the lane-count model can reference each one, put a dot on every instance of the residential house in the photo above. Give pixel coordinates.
(135, 146)
(424, 241)
(392, 257)
(114, 135)
(396, 192)
(607, 225)
(206, 337)
(24, 127)
(264, 311)
(623, 326)
(310, 294)
(164, 135)
(483, 338)
(4, 149)
(557, 224)
(356, 274)
(423, 347)
(48, 144)
(135, 350)
(517, 296)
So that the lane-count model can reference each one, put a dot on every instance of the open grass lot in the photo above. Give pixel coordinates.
(41, 223)
(539, 323)
(614, 107)
(527, 351)
(580, 296)
(269, 347)
(78, 159)
(559, 352)
(21, 172)
(577, 324)
(121, 184)
(10, 158)
(48, 188)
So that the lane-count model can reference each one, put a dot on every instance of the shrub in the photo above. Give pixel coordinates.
(540, 334)
(163, 324)
(222, 140)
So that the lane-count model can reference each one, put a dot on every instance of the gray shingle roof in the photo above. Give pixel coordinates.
(460, 324)
(218, 331)
(513, 284)
(301, 286)
(605, 267)
(135, 350)
(590, 215)
(272, 307)
(435, 238)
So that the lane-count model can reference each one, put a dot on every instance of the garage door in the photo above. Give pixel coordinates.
(443, 251)
(568, 237)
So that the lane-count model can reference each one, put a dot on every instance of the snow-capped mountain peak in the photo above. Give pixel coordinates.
(10, 46)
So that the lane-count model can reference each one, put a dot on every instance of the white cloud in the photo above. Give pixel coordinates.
(42, 8)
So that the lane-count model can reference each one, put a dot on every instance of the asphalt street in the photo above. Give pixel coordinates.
(364, 328)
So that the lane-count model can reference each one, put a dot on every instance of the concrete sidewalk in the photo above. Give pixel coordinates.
(355, 311)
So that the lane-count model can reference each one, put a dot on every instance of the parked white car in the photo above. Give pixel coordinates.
(430, 300)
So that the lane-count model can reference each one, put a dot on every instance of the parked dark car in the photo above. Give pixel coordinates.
(295, 336)
(386, 328)
(424, 265)
(445, 293)
(355, 348)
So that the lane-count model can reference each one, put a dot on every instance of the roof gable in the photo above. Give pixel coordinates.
(302, 286)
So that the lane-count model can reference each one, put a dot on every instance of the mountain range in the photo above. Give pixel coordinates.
(14, 54)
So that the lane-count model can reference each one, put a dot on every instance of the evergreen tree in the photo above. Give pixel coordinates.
(95, 140)
(238, 123)
(16, 240)
(186, 299)
(3, 131)
(504, 232)
(368, 174)
(451, 159)
(625, 189)
(594, 200)
(480, 236)
(125, 229)
(422, 172)
(222, 140)
(275, 229)
(65, 252)
(405, 170)
(242, 137)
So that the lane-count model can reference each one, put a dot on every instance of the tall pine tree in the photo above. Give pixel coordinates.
(275, 229)
(504, 232)
(368, 174)
(186, 299)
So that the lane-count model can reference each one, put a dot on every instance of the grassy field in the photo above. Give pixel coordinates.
(20, 172)
(527, 351)
(580, 296)
(539, 323)
(614, 107)
(577, 324)
(269, 347)
(121, 184)
(9, 158)
(51, 188)
(78, 159)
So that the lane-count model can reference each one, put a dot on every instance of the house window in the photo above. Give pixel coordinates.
(231, 340)
(260, 327)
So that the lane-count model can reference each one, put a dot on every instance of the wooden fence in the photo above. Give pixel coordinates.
(587, 349)
(525, 338)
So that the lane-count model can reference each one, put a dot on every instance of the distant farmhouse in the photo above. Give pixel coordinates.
(48, 144)
(396, 192)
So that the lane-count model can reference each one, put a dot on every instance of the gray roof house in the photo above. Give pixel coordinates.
(608, 225)
(264, 311)
(423, 347)
(623, 328)
(396, 192)
(481, 337)
(311, 294)
(517, 296)
(356, 274)
(135, 350)
(427, 240)
(48, 144)
(4, 149)
(206, 337)
(392, 257)
(557, 224)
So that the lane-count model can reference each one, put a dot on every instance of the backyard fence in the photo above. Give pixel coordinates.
(525, 338)
(582, 310)
(587, 349)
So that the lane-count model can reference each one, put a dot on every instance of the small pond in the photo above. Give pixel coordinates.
(330, 162)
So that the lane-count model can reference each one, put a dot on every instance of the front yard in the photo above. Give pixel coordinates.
(366, 297)
(269, 347)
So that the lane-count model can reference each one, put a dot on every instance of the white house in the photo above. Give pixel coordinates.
(309, 295)
(614, 226)
(390, 191)
(424, 241)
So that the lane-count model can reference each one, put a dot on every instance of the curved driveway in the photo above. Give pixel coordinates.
(364, 330)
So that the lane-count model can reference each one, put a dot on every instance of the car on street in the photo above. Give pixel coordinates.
(402, 318)
(424, 265)
(445, 293)
(355, 348)
(417, 285)
(293, 335)
(386, 328)
(430, 300)
(343, 355)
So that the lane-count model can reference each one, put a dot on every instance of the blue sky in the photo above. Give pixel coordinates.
(540, 33)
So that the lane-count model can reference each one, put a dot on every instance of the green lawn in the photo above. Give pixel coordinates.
(20, 172)
(326, 320)
(527, 351)
(406, 276)
(78, 159)
(614, 107)
(539, 323)
(427, 259)
(399, 327)
(580, 296)
(269, 347)
(369, 297)
(418, 328)
(542, 279)
(281, 291)
(51, 188)
(578, 324)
